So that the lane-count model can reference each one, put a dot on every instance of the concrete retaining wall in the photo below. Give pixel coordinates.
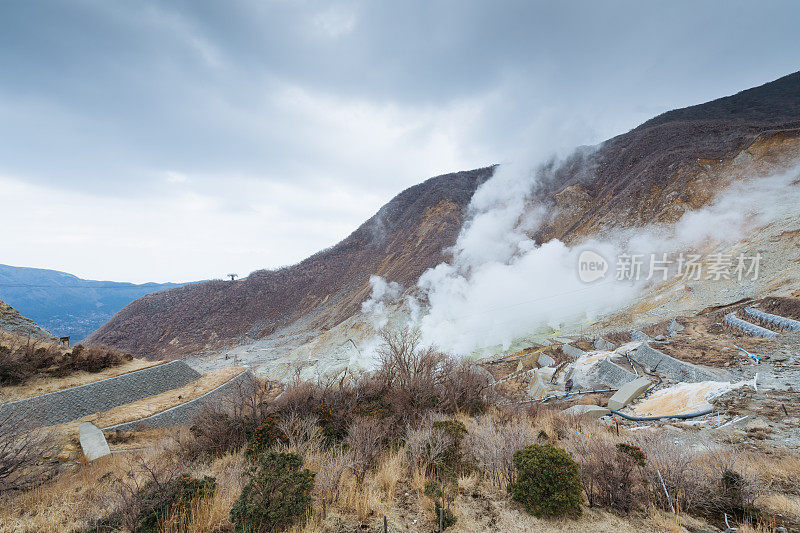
(572, 351)
(775, 320)
(613, 375)
(186, 412)
(747, 327)
(669, 366)
(71, 404)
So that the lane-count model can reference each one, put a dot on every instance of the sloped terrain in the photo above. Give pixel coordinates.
(14, 323)
(407, 236)
(674, 163)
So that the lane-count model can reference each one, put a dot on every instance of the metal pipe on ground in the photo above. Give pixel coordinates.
(661, 417)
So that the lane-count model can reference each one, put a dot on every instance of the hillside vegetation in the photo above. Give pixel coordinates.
(414, 442)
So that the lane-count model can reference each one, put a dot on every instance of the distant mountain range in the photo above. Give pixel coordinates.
(65, 304)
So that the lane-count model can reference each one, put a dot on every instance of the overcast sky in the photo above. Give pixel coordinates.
(182, 140)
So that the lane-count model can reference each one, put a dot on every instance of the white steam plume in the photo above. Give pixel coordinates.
(384, 296)
(501, 285)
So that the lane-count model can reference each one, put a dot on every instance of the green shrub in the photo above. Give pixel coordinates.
(437, 492)
(548, 481)
(634, 452)
(277, 494)
(452, 462)
(265, 436)
(734, 498)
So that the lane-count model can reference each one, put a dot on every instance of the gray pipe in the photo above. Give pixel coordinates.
(648, 418)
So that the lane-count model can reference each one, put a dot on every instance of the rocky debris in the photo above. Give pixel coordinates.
(610, 374)
(68, 453)
(13, 322)
(586, 411)
(540, 383)
(93, 443)
(638, 335)
(674, 328)
(628, 392)
(602, 344)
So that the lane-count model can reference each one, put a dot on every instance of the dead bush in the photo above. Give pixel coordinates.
(228, 424)
(333, 464)
(365, 443)
(92, 359)
(27, 455)
(19, 363)
(733, 485)
(675, 468)
(148, 483)
(490, 443)
(612, 472)
(426, 447)
(302, 432)
(418, 379)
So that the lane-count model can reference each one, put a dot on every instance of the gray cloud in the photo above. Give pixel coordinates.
(114, 99)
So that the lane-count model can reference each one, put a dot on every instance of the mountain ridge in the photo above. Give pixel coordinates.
(671, 164)
(65, 303)
(332, 283)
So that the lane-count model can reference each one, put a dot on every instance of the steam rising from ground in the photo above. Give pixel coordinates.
(384, 295)
(501, 285)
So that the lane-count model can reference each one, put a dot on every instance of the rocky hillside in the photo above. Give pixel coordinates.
(12, 322)
(407, 236)
(673, 163)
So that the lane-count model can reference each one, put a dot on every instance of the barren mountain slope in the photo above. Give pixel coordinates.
(673, 163)
(407, 236)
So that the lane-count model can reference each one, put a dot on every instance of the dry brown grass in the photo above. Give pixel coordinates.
(67, 503)
(781, 504)
(212, 514)
(44, 384)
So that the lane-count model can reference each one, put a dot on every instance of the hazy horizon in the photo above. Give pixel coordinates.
(182, 141)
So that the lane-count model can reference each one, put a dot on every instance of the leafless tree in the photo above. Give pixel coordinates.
(491, 444)
(334, 463)
(365, 444)
(426, 446)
